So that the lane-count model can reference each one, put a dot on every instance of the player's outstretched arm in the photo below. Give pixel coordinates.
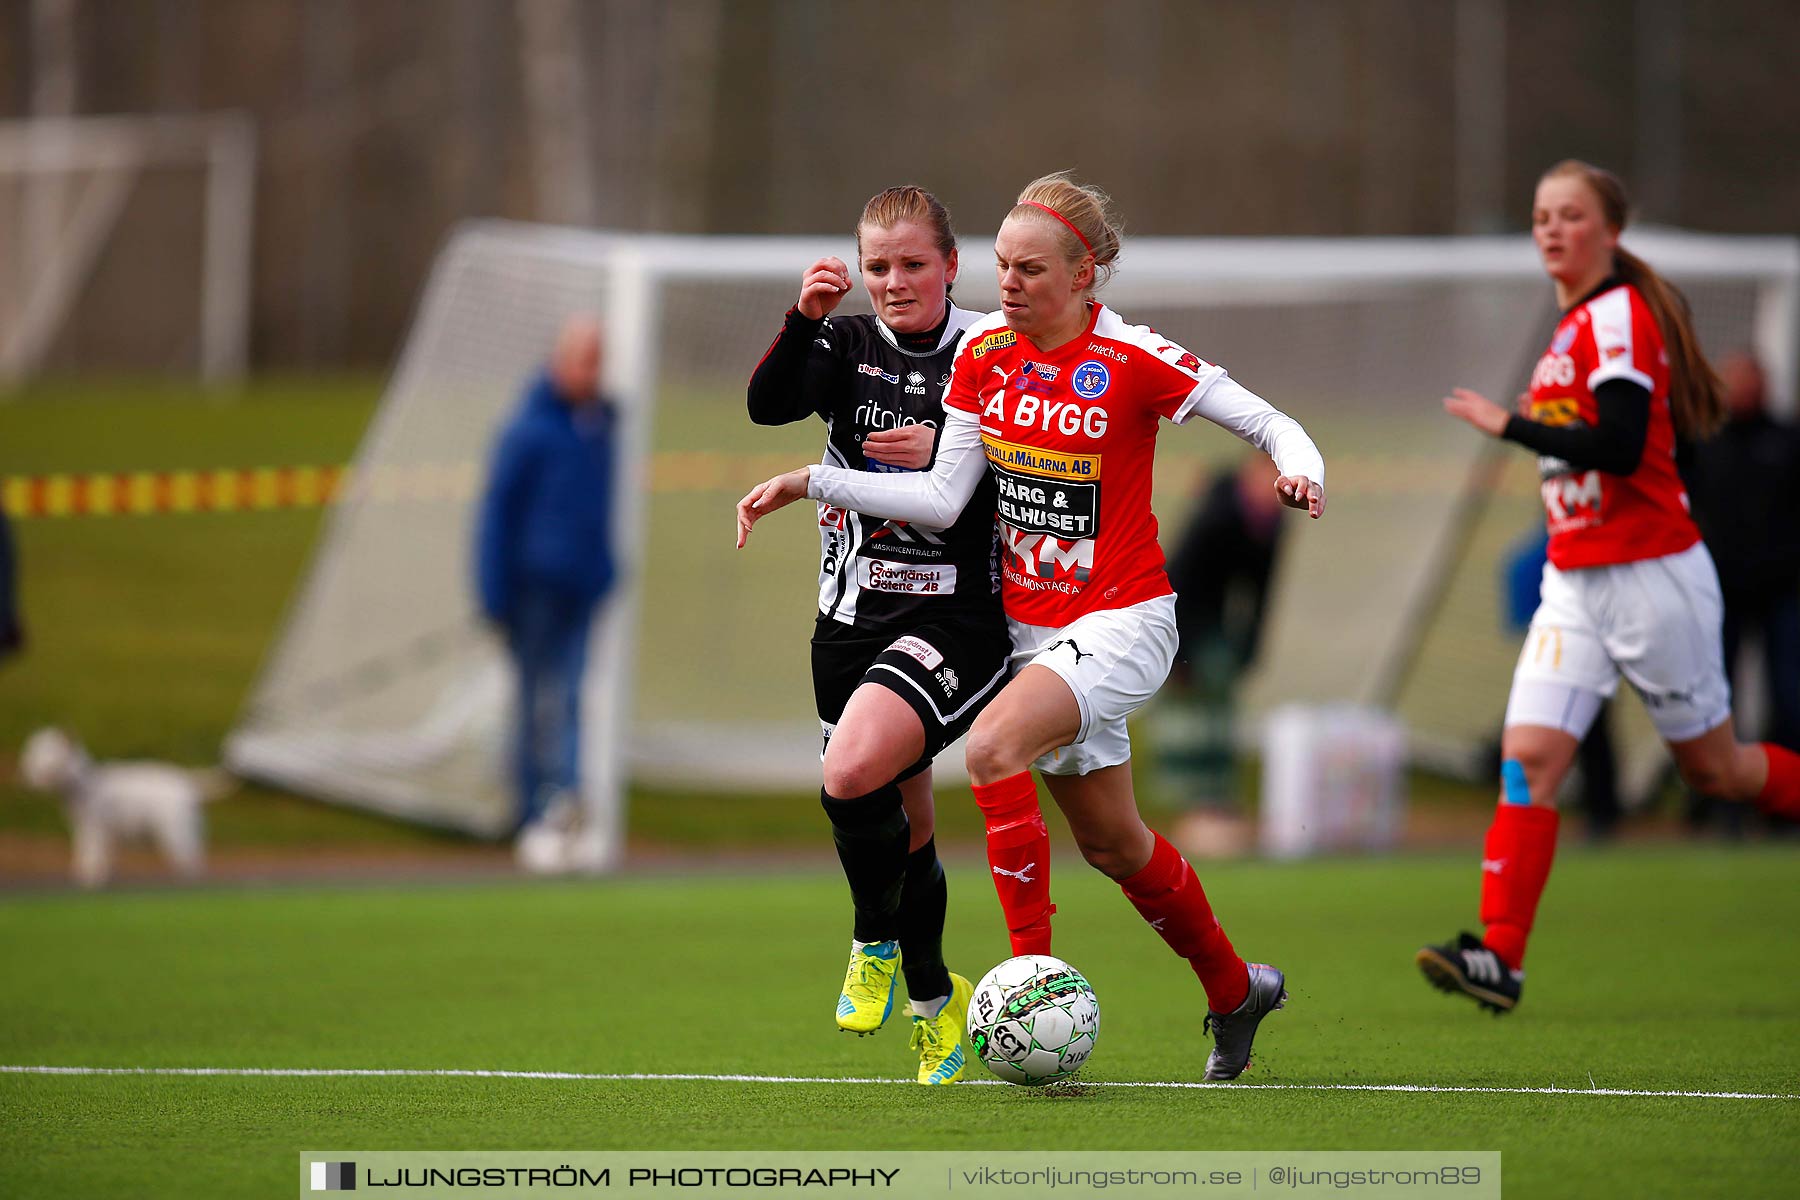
(1230, 405)
(1477, 410)
(929, 499)
(766, 497)
(1613, 443)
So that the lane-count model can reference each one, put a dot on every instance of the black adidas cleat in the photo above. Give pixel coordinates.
(1472, 969)
(1234, 1031)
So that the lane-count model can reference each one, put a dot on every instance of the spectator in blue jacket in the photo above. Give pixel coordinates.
(544, 562)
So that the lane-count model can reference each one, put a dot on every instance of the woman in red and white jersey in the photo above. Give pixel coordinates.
(1629, 588)
(1060, 400)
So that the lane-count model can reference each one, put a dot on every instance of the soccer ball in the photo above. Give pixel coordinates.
(1033, 1020)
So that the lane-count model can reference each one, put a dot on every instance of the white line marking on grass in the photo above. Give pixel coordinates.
(598, 1077)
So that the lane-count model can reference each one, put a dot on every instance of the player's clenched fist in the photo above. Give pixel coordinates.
(823, 287)
(766, 497)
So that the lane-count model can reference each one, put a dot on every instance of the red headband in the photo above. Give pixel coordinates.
(1064, 220)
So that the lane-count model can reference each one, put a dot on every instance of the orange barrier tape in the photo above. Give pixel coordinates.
(141, 493)
(726, 473)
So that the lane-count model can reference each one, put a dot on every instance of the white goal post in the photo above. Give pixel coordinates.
(385, 691)
(72, 191)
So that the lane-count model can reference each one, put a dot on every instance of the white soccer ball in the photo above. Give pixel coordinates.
(1033, 1020)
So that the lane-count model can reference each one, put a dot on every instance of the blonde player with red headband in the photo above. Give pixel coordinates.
(1060, 400)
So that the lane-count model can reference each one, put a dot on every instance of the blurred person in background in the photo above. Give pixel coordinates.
(910, 641)
(1221, 570)
(12, 628)
(544, 561)
(1045, 396)
(1629, 587)
(1745, 485)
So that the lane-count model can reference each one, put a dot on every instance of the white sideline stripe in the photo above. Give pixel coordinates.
(449, 1072)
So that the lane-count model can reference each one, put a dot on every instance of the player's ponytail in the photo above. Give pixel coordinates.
(1082, 217)
(1696, 396)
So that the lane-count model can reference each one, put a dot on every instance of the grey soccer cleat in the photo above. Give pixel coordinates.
(1234, 1031)
(1469, 967)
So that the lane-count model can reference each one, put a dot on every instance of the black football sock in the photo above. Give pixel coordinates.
(871, 833)
(923, 903)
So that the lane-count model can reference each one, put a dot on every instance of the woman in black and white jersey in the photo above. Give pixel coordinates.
(911, 642)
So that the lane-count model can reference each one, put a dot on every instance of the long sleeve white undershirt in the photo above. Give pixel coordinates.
(934, 499)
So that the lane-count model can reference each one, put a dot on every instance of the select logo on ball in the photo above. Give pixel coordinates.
(1034, 1020)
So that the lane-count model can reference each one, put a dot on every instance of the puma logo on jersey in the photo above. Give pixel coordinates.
(993, 399)
(1023, 874)
(1070, 643)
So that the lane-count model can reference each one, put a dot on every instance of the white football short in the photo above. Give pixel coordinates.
(1656, 620)
(1113, 660)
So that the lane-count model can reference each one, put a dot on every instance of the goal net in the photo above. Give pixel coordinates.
(384, 689)
(125, 244)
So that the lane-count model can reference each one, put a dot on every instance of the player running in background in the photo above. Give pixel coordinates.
(1629, 587)
(1055, 399)
(910, 641)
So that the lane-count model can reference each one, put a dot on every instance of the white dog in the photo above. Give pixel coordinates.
(115, 802)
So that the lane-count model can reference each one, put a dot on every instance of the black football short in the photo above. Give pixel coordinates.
(947, 672)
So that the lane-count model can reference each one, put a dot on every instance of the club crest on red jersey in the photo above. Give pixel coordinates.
(1091, 379)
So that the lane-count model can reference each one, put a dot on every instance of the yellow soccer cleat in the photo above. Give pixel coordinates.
(868, 995)
(939, 1039)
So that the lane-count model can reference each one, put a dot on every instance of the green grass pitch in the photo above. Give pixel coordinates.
(1665, 970)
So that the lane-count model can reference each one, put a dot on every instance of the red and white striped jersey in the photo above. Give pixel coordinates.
(1596, 518)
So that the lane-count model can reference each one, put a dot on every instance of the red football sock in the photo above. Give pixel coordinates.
(1781, 790)
(1515, 865)
(1018, 847)
(1168, 894)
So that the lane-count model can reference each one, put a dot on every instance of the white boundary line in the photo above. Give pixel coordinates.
(372, 1072)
